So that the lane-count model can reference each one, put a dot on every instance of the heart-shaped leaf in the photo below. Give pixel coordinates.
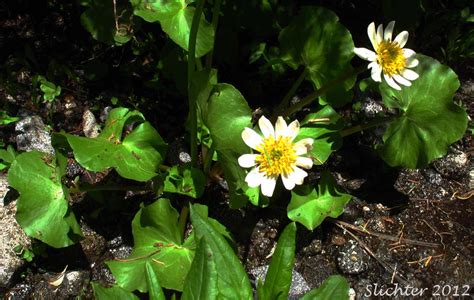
(111, 293)
(42, 209)
(99, 20)
(310, 206)
(185, 180)
(175, 17)
(316, 40)
(158, 251)
(228, 115)
(429, 121)
(135, 157)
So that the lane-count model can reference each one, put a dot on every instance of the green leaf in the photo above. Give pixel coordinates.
(201, 282)
(316, 40)
(232, 281)
(99, 20)
(429, 121)
(324, 132)
(135, 157)
(185, 180)
(278, 278)
(310, 207)
(154, 288)
(228, 115)
(5, 119)
(111, 293)
(334, 287)
(42, 209)
(158, 251)
(175, 17)
(8, 155)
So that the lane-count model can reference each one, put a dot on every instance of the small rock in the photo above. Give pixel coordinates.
(11, 235)
(76, 281)
(184, 157)
(298, 286)
(19, 291)
(105, 113)
(453, 165)
(471, 179)
(432, 176)
(313, 248)
(371, 108)
(352, 259)
(89, 124)
(33, 135)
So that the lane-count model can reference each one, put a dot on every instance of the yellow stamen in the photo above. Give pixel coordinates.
(390, 57)
(277, 156)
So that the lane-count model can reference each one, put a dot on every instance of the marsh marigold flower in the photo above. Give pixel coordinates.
(389, 58)
(277, 155)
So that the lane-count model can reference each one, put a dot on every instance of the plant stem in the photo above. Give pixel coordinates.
(215, 19)
(286, 100)
(208, 159)
(191, 69)
(361, 127)
(328, 86)
(183, 218)
(91, 188)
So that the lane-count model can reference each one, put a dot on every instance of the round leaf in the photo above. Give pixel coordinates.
(429, 121)
(310, 207)
(43, 210)
(316, 40)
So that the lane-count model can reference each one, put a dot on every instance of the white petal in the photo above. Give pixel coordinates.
(288, 182)
(251, 138)
(247, 160)
(292, 130)
(376, 72)
(408, 53)
(254, 178)
(266, 127)
(401, 80)
(365, 53)
(412, 62)
(402, 38)
(391, 82)
(268, 186)
(379, 34)
(410, 74)
(304, 162)
(298, 175)
(280, 127)
(303, 146)
(388, 31)
(372, 35)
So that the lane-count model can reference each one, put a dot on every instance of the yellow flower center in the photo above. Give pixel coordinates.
(277, 156)
(390, 57)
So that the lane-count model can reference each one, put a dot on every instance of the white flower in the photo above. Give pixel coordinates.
(278, 155)
(389, 58)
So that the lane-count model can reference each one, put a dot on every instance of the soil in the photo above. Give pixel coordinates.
(412, 227)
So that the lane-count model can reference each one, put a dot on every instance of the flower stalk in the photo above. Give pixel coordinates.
(191, 70)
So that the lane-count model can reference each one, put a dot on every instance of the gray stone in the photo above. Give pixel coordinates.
(33, 135)
(298, 287)
(76, 281)
(471, 179)
(11, 235)
(89, 124)
(352, 259)
(453, 165)
(370, 108)
(432, 176)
